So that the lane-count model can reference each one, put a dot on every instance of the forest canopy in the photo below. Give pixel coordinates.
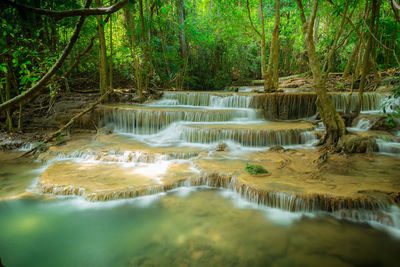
(182, 44)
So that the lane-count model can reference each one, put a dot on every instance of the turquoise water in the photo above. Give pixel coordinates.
(185, 227)
(203, 228)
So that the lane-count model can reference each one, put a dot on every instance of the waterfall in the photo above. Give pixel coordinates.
(363, 125)
(117, 156)
(246, 137)
(150, 121)
(359, 209)
(284, 106)
(209, 99)
(371, 101)
(388, 147)
(289, 106)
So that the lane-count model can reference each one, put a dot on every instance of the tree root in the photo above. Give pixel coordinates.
(43, 143)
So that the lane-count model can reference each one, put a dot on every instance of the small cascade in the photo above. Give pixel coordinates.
(247, 137)
(14, 145)
(284, 106)
(118, 156)
(165, 102)
(359, 209)
(150, 121)
(211, 100)
(289, 106)
(61, 190)
(371, 101)
(363, 125)
(388, 147)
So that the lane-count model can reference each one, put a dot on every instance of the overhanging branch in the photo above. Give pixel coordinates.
(36, 89)
(59, 14)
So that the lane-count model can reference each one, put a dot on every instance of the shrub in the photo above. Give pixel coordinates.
(255, 169)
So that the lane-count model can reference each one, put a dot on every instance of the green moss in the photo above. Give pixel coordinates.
(255, 169)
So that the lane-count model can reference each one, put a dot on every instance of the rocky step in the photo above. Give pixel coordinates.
(286, 106)
(114, 148)
(254, 135)
(141, 119)
(362, 190)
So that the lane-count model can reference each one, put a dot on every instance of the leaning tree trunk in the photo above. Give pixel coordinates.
(272, 81)
(352, 59)
(102, 52)
(334, 124)
(261, 35)
(36, 89)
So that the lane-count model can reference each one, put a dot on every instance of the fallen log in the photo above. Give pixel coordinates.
(66, 126)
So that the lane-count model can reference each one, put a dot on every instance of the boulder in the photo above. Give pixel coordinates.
(222, 147)
(357, 144)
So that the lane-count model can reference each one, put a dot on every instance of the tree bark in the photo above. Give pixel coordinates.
(130, 27)
(263, 48)
(272, 82)
(102, 52)
(334, 124)
(86, 11)
(353, 56)
(9, 121)
(72, 121)
(182, 35)
(335, 41)
(163, 46)
(110, 79)
(366, 59)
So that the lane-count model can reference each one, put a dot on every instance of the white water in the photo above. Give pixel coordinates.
(389, 148)
(363, 125)
(166, 127)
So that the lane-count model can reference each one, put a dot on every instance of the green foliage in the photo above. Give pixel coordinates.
(391, 105)
(255, 169)
(222, 46)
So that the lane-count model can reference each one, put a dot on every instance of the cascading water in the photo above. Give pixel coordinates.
(371, 101)
(150, 121)
(246, 137)
(209, 99)
(363, 125)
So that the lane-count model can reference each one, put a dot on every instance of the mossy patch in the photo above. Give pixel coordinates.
(255, 169)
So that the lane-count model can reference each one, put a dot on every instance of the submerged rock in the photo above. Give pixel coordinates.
(357, 144)
(222, 147)
(104, 131)
(276, 148)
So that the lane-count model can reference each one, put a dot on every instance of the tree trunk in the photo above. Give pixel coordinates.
(102, 52)
(335, 41)
(263, 47)
(164, 51)
(366, 59)
(334, 124)
(145, 70)
(182, 36)
(131, 34)
(38, 87)
(111, 55)
(353, 56)
(9, 121)
(275, 48)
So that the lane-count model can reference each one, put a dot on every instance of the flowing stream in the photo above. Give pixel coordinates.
(205, 223)
(191, 226)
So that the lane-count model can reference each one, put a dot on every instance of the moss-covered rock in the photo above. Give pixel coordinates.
(357, 144)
